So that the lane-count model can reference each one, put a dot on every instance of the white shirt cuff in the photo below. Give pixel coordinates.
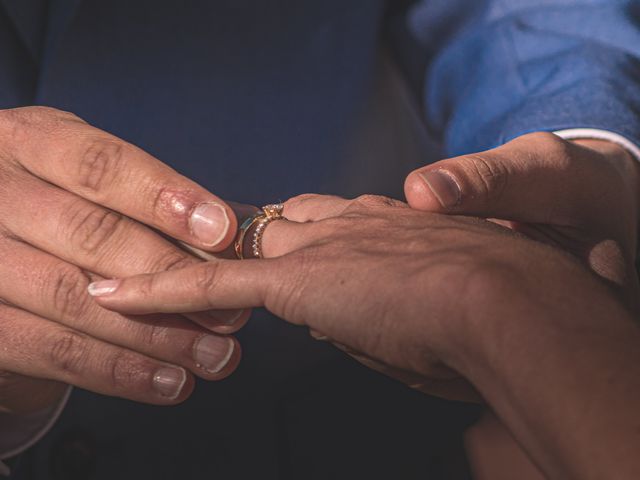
(17, 434)
(595, 134)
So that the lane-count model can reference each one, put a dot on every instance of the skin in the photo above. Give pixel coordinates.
(78, 205)
(581, 196)
(342, 275)
(520, 298)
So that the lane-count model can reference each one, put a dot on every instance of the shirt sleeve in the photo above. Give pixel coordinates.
(18, 433)
(496, 69)
(594, 134)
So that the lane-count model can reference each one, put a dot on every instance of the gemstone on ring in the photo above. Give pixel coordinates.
(273, 210)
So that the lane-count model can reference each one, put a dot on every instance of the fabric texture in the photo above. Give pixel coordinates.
(497, 69)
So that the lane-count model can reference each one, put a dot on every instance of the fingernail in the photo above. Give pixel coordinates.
(226, 317)
(168, 381)
(318, 336)
(103, 287)
(212, 353)
(443, 186)
(209, 223)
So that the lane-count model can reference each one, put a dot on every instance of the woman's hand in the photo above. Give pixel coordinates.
(539, 336)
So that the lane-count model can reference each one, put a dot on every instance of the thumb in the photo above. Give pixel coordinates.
(535, 178)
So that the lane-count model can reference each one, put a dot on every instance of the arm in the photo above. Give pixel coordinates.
(498, 69)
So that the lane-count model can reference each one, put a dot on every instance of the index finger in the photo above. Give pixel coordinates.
(220, 284)
(63, 150)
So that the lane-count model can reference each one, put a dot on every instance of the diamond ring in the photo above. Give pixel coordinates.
(266, 215)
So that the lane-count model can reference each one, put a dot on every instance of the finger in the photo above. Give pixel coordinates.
(96, 239)
(50, 288)
(38, 348)
(311, 218)
(110, 172)
(537, 178)
(311, 207)
(224, 284)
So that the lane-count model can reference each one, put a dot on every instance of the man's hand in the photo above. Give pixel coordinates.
(77, 205)
(581, 196)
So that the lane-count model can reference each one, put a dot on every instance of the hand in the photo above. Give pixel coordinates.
(581, 196)
(76, 205)
(429, 295)
(383, 280)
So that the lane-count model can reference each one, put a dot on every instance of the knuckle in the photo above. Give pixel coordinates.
(15, 127)
(123, 369)
(557, 150)
(207, 278)
(18, 126)
(100, 163)
(287, 298)
(369, 200)
(490, 175)
(544, 139)
(38, 113)
(68, 352)
(171, 260)
(298, 199)
(149, 335)
(91, 227)
(550, 149)
(164, 200)
(70, 297)
(146, 285)
(156, 334)
(22, 121)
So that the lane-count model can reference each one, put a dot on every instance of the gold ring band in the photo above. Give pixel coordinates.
(266, 215)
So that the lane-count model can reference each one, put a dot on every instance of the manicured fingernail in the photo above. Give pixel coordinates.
(443, 186)
(168, 381)
(103, 287)
(212, 353)
(226, 317)
(209, 223)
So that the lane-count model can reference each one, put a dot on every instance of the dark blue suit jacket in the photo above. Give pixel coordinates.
(223, 89)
